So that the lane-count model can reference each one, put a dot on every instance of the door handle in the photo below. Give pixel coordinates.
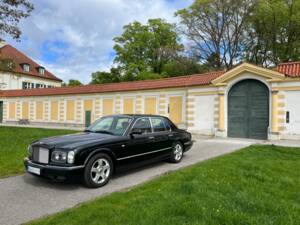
(171, 135)
(151, 137)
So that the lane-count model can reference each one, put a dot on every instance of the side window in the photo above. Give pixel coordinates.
(142, 125)
(170, 126)
(158, 125)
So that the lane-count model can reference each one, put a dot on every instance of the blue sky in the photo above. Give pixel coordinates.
(73, 38)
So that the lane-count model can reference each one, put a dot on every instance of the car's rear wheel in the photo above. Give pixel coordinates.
(98, 171)
(177, 152)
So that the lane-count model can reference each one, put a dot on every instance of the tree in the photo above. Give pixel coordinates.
(6, 64)
(183, 66)
(11, 12)
(216, 29)
(275, 31)
(146, 48)
(102, 77)
(72, 83)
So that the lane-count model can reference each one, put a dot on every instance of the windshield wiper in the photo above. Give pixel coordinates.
(103, 132)
(87, 130)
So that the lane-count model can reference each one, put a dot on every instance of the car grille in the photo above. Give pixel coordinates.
(40, 155)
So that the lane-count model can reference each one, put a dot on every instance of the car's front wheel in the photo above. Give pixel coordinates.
(98, 171)
(177, 152)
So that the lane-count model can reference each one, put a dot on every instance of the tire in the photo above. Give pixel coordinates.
(177, 153)
(98, 171)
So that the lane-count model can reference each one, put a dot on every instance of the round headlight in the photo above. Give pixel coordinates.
(71, 157)
(29, 150)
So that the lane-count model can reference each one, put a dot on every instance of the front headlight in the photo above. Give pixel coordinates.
(29, 150)
(71, 157)
(58, 156)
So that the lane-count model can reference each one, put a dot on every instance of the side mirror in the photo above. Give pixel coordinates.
(136, 132)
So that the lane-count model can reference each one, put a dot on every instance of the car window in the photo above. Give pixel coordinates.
(142, 125)
(158, 125)
(113, 124)
(102, 124)
(121, 125)
(169, 124)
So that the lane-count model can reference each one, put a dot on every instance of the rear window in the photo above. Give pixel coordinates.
(158, 124)
(169, 124)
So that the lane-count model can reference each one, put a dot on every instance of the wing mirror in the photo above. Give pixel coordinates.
(136, 132)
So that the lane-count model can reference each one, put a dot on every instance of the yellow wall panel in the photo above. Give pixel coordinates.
(150, 105)
(108, 105)
(70, 110)
(128, 106)
(221, 112)
(175, 107)
(39, 110)
(54, 110)
(12, 110)
(25, 110)
(88, 105)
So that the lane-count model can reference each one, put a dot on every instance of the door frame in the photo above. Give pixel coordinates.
(1, 111)
(226, 95)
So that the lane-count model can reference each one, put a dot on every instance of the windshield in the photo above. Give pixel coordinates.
(115, 125)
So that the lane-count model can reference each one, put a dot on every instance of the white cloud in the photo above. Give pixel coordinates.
(73, 38)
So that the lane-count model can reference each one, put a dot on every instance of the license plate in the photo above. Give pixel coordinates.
(34, 170)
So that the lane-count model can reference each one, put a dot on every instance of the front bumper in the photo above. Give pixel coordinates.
(53, 172)
(188, 145)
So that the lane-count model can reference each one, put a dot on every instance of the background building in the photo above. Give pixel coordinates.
(245, 102)
(18, 71)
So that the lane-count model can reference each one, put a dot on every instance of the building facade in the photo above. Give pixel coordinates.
(245, 102)
(18, 71)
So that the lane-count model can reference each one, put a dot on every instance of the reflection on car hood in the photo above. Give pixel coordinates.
(72, 141)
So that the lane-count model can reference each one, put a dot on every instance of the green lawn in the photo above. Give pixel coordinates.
(257, 185)
(13, 146)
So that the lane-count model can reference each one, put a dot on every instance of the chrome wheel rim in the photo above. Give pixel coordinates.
(100, 171)
(178, 152)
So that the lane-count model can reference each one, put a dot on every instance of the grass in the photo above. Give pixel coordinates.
(257, 185)
(13, 146)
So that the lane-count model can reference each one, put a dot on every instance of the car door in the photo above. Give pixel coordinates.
(162, 142)
(140, 143)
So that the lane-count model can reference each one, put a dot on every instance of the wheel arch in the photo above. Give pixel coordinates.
(103, 151)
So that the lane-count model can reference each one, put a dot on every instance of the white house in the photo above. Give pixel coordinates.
(18, 71)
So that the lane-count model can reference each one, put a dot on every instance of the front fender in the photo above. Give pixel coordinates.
(89, 154)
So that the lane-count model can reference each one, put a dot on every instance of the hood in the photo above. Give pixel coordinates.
(72, 141)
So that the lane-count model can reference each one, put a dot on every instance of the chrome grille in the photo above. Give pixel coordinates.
(40, 155)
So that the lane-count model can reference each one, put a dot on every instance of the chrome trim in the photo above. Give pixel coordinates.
(30, 163)
(147, 153)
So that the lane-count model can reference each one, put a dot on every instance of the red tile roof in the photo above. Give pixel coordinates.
(9, 52)
(290, 69)
(181, 81)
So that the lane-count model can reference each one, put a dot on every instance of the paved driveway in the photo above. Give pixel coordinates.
(24, 198)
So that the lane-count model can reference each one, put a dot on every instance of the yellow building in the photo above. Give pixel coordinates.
(247, 101)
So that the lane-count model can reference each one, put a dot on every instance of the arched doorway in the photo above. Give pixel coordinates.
(248, 110)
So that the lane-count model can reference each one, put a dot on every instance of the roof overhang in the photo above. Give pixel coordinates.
(270, 75)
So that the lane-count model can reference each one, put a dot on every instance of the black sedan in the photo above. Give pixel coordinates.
(110, 144)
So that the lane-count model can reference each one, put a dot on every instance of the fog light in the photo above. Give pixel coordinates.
(71, 157)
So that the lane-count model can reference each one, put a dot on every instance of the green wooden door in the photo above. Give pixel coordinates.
(248, 110)
(88, 118)
(1, 112)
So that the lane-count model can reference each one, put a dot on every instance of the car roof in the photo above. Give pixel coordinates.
(139, 115)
